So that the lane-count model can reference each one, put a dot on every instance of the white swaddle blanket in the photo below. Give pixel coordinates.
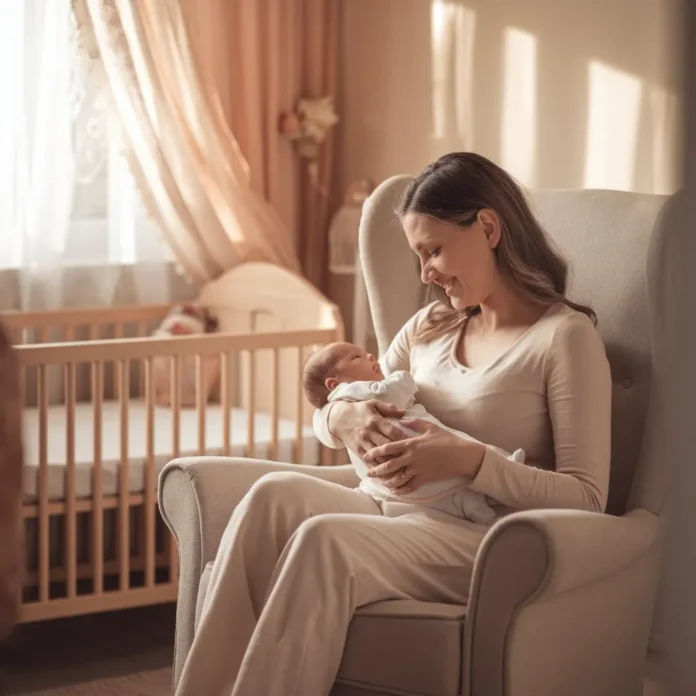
(399, 389)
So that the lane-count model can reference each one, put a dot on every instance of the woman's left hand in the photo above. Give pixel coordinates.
(434, 455)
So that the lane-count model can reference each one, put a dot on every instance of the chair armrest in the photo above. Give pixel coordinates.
(561, 602)
(196, 497)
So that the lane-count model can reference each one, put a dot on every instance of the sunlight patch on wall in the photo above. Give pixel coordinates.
(453, 28)
(666, 110)
(612, 128)
(519, 123)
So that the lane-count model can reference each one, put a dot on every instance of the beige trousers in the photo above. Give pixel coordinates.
(299, 555)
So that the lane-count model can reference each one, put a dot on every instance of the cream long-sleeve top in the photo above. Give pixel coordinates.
(548, 394)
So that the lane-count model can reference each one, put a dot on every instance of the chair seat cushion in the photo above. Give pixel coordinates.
(404, 645)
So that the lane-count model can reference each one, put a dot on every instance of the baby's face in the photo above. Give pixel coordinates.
(356, 365)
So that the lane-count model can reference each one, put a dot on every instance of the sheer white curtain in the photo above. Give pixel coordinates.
(74, 231)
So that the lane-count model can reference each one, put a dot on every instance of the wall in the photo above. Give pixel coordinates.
(562, 93)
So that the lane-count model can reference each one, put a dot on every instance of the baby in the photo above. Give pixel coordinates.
(343, 371)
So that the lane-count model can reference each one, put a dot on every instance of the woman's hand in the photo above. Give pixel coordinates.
(434, 455)
(362, 425)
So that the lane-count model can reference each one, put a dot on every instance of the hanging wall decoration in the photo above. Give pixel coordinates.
(307, 127)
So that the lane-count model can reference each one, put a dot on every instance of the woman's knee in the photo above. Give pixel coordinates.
(325, 536)
(280, 486)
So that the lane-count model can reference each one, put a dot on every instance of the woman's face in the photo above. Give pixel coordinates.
(458, 259)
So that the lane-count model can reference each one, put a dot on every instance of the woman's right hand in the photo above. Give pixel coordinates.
(362, 425)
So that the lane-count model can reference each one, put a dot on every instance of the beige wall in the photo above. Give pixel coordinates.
(563, 93)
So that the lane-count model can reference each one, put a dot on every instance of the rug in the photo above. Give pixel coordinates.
(157, 682)
(123, 653)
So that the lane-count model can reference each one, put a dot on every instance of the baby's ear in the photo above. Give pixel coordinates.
(331, 383)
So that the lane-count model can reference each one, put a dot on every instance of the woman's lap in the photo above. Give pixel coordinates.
(300, 551)
(413, 550)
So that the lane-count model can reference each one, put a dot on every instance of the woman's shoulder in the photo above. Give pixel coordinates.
(572, 335)
(563, 320)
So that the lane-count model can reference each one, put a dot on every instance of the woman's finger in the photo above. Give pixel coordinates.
(392, 432)
(374, 438)
(365, 447)
(386, 469)
(399, 482)
(387, 451)
(388, 410)
(417, 424)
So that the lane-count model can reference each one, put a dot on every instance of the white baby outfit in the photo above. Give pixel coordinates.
(451, 496)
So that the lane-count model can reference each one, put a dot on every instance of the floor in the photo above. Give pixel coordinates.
(126, 653)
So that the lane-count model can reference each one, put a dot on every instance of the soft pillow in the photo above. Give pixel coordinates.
(185, 320)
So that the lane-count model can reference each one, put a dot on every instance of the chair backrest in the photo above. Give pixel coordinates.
(605, 235)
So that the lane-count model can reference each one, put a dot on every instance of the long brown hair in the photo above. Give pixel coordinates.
(454, 189)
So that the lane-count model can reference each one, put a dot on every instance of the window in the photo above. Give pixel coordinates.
(66, 195)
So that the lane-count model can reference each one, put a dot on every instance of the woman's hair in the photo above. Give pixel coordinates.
(454, 189)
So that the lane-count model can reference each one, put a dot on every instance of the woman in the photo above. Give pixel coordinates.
(502, 355)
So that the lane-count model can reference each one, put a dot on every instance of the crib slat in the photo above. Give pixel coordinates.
(275, 403)
(200, 404)
(226, 405)
(299, 442)
(118, 333)
(69, 333)
(43, 332)
(175, 401)
(124, 491)
(71, 515)
(251, 403)
(42, 400)
(97, 484)
(150, 478)
(142, 331)
(22, 387)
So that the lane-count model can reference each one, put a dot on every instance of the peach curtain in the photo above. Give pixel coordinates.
(190, 170)
(276, 52)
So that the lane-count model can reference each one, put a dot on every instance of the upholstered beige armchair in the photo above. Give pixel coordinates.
(561, 601)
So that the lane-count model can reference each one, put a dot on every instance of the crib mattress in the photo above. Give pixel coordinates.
(137, 444)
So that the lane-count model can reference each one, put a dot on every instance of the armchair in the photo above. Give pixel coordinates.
(561, 601)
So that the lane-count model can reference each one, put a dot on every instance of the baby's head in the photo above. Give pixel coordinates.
(327, 367)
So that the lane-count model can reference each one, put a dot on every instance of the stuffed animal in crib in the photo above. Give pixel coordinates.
(185, 320)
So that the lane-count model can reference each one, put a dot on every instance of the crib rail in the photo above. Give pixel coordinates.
(144, 348)
(93, 547)
(89, 324)
(84, 316)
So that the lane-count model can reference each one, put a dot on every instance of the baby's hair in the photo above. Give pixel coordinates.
(317, 369)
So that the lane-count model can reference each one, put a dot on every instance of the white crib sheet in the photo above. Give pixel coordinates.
(137, 445)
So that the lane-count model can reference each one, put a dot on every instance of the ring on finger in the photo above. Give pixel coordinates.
(403, 475)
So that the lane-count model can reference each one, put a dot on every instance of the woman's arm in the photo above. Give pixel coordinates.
(579, 389)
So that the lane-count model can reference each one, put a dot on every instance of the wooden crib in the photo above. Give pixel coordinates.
(95, 439)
